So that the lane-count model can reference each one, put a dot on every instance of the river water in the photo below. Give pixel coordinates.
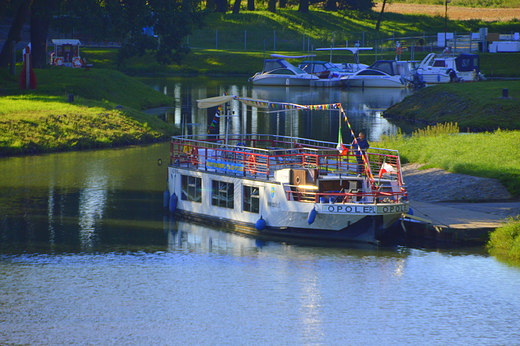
(363, 107)
(89, 257)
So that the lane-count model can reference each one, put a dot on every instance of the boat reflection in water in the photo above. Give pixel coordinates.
(183, 235)
(364, 107)
(352, 99)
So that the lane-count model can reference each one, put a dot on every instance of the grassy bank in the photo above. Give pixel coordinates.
(474, 106)
(490, 155)
(107, 111)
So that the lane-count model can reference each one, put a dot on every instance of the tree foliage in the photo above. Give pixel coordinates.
(102, 20)
(126, 20)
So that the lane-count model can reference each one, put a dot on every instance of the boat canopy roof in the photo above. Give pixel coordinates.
(352, 49)
(467, 62)
(318, 66)
(62, 41)
(219, 100)
(388, 66)
(275, 64)
(292, 56)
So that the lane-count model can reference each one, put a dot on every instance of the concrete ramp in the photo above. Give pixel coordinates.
(457, 222)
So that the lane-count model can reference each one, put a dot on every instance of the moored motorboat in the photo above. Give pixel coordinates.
(348, 67)
(382, 74)
(438, 69)
(329, 75)
(278, 71)
(285, 186)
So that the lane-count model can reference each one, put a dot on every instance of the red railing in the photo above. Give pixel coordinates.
(262, 157)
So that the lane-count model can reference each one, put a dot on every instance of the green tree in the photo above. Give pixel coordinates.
(122, 20)
(173, 21)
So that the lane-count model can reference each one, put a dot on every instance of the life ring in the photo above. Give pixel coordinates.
(76, 62)
(251, 164)
(399, 50)
(58, 61)
(194, 156)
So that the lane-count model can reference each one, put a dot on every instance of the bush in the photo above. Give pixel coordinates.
(504, 242)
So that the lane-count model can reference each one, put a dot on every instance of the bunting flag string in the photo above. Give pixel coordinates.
(214, 123)
(286, 106)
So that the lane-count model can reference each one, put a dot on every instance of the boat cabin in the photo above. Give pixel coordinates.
(66, 53)
(468, 62)
(322, 69)
(465, 62)
(388, 66)
(280, 66)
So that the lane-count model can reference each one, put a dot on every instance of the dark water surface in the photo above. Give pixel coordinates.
(88, 257)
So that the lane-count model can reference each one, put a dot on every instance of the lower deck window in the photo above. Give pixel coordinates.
(191, 189)
(223, 194)
(251, 199)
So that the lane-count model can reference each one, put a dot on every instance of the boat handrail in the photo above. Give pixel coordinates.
(295, 141)
(263, 162)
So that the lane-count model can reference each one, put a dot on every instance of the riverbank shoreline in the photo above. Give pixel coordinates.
(437, 186)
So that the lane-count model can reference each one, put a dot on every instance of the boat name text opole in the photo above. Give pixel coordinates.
(365, 209)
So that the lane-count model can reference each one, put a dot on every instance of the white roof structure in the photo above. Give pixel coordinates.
(62, 41)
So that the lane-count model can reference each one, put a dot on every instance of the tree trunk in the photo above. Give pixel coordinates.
(236, 7)
(380, 18)
(271, 6)
(304, 6)
(39, 29)
(13, 36)
(250, 5)
(282, 3)
(331, 5)
(222, 6)
(210, 5)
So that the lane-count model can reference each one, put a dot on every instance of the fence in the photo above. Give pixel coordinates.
(293, 42)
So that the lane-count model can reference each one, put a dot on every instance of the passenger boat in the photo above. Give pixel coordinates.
(438, 69)
(278, 71)
(382, 74)
(285, 186)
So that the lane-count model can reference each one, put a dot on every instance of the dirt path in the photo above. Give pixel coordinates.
(454, 12)
(436, 185)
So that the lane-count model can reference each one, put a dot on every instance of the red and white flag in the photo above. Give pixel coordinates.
(385, 168)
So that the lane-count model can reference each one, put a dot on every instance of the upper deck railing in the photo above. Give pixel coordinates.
(261, 155)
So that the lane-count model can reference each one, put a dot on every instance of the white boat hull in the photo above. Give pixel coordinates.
(327, 82)
(375, 82)
(283, 80)
(334, 220)
(435, 78)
